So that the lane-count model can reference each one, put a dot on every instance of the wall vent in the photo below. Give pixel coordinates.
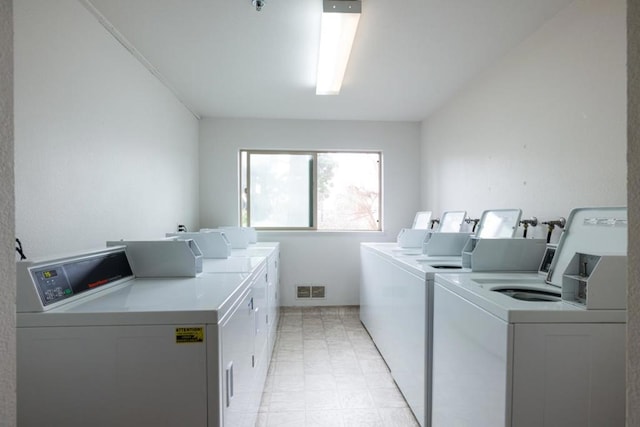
(303, 291)
(310, 291)
(317, 292)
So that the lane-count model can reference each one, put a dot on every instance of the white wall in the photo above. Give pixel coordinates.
(103, 150)
(544, 129)
(633, 165)
(7, 257)
(330, 258)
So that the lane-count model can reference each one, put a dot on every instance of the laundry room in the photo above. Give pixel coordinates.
(132, 120)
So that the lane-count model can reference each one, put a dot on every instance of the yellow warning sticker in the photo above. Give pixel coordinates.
(189, 335)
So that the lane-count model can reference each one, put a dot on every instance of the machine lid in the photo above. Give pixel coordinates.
(497, 223)
(590, 230)
(422, 220)
(451, 221)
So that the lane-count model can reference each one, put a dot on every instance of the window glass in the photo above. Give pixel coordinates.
(310, 190)
(280, 190)
(348, 191)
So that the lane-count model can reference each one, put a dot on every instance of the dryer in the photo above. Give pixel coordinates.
(106, 348)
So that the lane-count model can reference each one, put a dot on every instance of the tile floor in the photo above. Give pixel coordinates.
(325, 371)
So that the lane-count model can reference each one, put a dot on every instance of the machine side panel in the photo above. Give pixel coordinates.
(393, 309)
(108, 375)
(470, 359)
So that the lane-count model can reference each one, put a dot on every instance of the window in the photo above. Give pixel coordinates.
(310, 190)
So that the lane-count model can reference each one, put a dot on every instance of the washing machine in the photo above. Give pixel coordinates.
(396, 298)
(101, 346)
(524, 350)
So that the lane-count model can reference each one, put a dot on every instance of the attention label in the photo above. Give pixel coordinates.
(188, 335)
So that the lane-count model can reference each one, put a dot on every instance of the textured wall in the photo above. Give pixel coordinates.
(7, 258)
(103, 150)
(544, 129)
(633, 183)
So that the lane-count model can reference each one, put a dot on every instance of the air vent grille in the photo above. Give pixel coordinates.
(310, 291)
(317, 292)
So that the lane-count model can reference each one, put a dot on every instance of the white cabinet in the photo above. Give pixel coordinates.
(237, 371)
(393, 303)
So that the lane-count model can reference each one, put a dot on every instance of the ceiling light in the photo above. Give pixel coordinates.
(338, 29)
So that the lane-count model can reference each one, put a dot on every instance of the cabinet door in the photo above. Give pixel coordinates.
(237, 339)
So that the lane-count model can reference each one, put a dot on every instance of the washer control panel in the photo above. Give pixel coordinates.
(58, 282)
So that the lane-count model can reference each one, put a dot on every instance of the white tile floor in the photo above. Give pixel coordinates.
(325, 371)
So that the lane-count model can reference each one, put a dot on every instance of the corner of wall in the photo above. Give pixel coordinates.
(633, 189)
(7, 224)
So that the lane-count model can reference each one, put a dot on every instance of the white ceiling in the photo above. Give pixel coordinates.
(225, 59)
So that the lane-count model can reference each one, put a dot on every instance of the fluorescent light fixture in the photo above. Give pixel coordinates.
(338, 29)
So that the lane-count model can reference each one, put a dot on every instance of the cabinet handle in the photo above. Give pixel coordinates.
(229, 373)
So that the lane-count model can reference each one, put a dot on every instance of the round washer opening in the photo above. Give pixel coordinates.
(533, 295)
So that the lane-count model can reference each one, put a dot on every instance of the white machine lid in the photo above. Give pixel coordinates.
(419, 265)
(422, 220)
(451, 221)
(591, 230)
(233, 264)
(203, 299)
(497, 223)
(477, 288)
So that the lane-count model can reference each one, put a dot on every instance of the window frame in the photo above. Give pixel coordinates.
(314, 187)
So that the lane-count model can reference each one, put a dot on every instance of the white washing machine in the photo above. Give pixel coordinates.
(514, 350)
(98, 346)
(396, 302)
